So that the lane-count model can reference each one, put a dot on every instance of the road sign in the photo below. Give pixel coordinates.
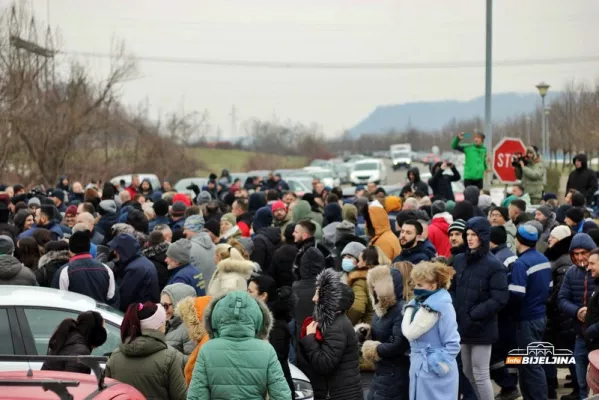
(502, 158)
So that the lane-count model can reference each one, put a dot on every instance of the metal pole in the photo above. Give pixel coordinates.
(528, 123)
(543, 127)
(488, 81)
(548, 133)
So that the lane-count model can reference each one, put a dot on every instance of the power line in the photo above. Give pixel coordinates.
(341, 65)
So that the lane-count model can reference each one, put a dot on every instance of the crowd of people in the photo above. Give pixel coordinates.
(223, 289)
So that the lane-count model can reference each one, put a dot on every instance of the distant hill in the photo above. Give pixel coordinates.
(430, 115)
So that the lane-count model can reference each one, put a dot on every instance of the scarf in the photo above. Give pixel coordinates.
(420, 297)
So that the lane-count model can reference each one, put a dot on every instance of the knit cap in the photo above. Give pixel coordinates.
(545, 210)
(278, 205)
(204, 197)
(575, 214)
(179, 251)
(34, 201)
(194, 223)
(437, 207)
(71, 210)
(561, 232)
(504, 212)
(527, 235)
(230, 218)
(80, 242)
(549, 196)
(457, 225)
(353, 249)
(213, 226)
(498, 235)
(108, 206)
(537, 225)
(449, 205)
(178, 209)
(7, 246)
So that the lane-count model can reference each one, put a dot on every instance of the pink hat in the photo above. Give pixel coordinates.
(279, 205)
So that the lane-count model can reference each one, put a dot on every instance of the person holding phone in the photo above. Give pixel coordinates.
(476, 158)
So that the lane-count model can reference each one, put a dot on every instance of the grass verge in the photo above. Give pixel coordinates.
(239, 160)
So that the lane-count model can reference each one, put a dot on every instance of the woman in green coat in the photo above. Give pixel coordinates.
(144, 360)
(237, 362)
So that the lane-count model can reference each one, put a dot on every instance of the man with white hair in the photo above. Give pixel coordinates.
(410, 204)
(90, 221)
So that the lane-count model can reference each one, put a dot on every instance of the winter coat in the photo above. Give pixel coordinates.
(12, 272)
(280, 336)
(531, 177)
(53, 227)
(329, 233)
(237, 363)
(136, 275)
(504, 254)
(286, 221)
(437, 233)
(281, 268)
(479, 288)
(434, 346)
(332, 364)
(191, 311)
(440, 183)
(388, 348)
(416, 185)
(361, 310)
(266, 243)
(383, 237)
(578, 283)
(560, 326)
(176, 332)
(476, 159)
(104, 225)
(583, 179)
(304, 288)
(302, 211)
(189, 274)
(157, 254)
(329, 257)
(202, 255)
(591, 322)
(230, 275)
(415, 254)
(74, 345)
(149, 365)
(342, 241)
(48, 264)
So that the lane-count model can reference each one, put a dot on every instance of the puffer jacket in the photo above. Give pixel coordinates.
(415, 254)
(312, 264)
(361, 310)
(157, 254)
(583, 179)
(149, 365)
(280, 336)
(237, 363)
(479, 288)
(388, 347)
(437, 233)
(511, 231)
(12, 272)
(281, 268)
(202, 255)
(333, 364)
(48, 264)
(383, 236)
(176, 332)
(230, 275)
(560, 326)
(74, 345)
(266, 243)
(532, 179)
(191, 310)
(578, 283)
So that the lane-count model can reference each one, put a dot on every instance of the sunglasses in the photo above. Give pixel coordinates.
(167, 305)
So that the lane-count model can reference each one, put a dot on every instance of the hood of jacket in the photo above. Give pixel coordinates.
(256, 201)
(416, 173)
(126, 246)
(379, 219)
(9, 266)
(157, 250)
(148, 343)
(191, 310)
(262, 219)
(282, 308)
(311, 264)
(482, 228)
(150, 188)
(230, 275)
(272, 233)
(330, 294)
(53, 256)
(581, 241)
(333, 213)
(237, 315)
(178, 291)
(203, 239)
(349, 212)
(442, 220)
(301, 211)
(583, 159)
(385, 286)
(472, 193)
(559, 249)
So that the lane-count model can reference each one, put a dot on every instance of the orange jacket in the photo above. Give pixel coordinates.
(191, 311)
(383, 235)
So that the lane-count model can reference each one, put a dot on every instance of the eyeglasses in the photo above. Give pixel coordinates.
(167, 306)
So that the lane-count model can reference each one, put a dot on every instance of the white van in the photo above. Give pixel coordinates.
(369, 170)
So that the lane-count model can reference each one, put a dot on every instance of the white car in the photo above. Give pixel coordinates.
(326, 176)
(369, 170)
(127, 178)
(29, 315)
(182, 184)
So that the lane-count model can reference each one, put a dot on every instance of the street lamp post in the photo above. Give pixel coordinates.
(546, 112)
(543, 88)
(528, 123)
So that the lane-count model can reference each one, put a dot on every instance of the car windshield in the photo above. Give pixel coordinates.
(366, 166)
(323, 174)
(398, 154)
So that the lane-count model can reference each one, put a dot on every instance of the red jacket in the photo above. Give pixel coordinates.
(132, 191)
(437, 233)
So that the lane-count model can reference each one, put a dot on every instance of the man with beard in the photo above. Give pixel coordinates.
(303, 235)
(546, 217)
(412, 248)
(456, 238)
(282, 215)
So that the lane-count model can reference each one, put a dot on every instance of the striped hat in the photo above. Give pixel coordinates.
(527, 235)
(457, 225)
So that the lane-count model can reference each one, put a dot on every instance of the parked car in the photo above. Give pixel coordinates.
(29, 315)
(127, 178)
(369, 170)
(298, 185)
(182, 184)
(326, 176)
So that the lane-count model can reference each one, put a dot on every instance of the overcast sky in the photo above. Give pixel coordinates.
(341, 31)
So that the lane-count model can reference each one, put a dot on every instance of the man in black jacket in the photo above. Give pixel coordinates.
(582, 178)
(304, 238)
(414, 183)
(440, 182)
(591, 322)
(456, 238)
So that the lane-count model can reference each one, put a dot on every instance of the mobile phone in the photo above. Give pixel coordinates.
(467, 135)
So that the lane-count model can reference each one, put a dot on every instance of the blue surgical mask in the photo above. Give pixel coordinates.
(348, 265)
(419, 292)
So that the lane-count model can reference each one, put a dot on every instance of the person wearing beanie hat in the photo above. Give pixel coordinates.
(160, 207)
(44, 218)
(547, 197)
(176, 332)
(202, 246)
(438, 228)
(282, 216)
(194, 223)
(281, 268)
(212, 226)
(266, 240)
(34, 203)
(177, 220)
(178, 260)
(203, 197)
(12, 271)
(353, 251)
(456, 239)
(229, 228)
(138, 220)
(70, 216)
(575, 219)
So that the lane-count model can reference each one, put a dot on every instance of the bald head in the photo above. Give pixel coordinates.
(80, 227)
(125, 196)
(87, 219)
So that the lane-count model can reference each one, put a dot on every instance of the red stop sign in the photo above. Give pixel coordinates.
(502, 158)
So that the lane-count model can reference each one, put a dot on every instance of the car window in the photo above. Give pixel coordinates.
(366, 167)
(43, 322)
(6, 345)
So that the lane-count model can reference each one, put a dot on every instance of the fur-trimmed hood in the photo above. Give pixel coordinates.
(237, 315)
(334, 298)
(230, 275)
(191, 310)
(156, 250)
(385, 287)
(54, 256)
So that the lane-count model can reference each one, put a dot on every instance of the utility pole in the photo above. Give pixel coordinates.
(528, 129)
(488, 80)
(233, 116)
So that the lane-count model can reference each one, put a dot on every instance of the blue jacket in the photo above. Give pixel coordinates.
(504, 254)
(177, 225)
(53, 227)
(104, 225)
(530, 285)
(137, 277)
(578, 284)
(479, 288)
(189, 275)
(415, 254)
(158, 221)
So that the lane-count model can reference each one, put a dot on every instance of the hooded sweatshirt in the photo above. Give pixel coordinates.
(176, 332)
(202, 255)
(437, 233)
(12, 272)
(383, 236)
(302, 211)
(583, 179)
(416, 185)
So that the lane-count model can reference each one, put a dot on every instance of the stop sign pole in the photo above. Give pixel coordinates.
(502, 158)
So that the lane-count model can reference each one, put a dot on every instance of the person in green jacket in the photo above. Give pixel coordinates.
(143, 359)
(531, 172)
(476, 159)
(237, 362)
(301, 211)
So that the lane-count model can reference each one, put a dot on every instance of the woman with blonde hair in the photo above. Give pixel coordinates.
(430, 324)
